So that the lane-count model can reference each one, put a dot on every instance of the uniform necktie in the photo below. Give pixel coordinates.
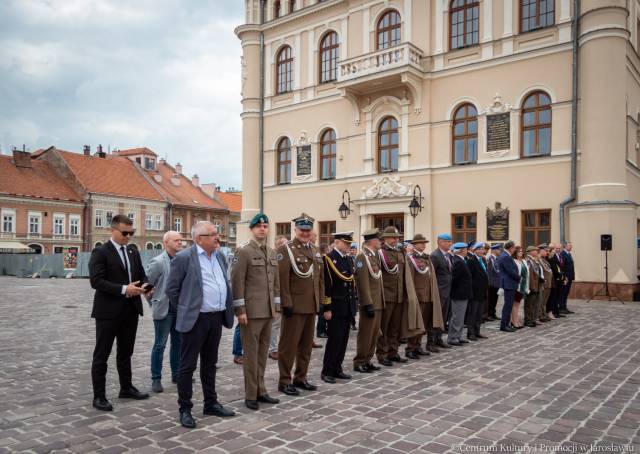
(124, 258)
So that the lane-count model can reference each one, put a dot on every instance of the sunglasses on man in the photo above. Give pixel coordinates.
(127, 232)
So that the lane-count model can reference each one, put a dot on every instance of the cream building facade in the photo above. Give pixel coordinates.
(469, 103)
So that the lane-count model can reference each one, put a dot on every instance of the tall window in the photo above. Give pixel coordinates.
(8, 221)
(536, 14)
(284, 70)
(388, 145)
(464, 21)
(34, 223)
(148, 221)
(329, 48)
(536, 227)
(277, 9)
(74, 226)
(464, 227)
(58, 224)
(536, 125)
(327, 229)
(158, 222)
(177, 224)
(99, 218)
(328, 155)
(284, 161)
(284, 229)
(465, 134)
(149, 246)
(388, 30)
(109, 217)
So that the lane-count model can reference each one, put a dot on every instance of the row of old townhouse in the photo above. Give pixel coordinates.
(57, 201)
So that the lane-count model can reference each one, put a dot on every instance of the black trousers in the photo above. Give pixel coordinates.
(554, 301)
(475, 315)
(203, 340)
(338, 332)
(321, 324)
(509, 296)
(123, 328)
(492, 301)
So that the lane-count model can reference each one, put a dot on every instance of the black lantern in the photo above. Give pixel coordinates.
(415, 206)
(345, 208)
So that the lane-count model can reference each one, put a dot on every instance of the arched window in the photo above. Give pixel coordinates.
(284, 161)
(284, 70)
(536, 125)
(464, 20)
(329, 48)
(535, 14)
(277, 9)
(388, 145)
(388, 30)
(328, 155)
(149, 246)
(158, 247)
(98, 244)
(465, 134)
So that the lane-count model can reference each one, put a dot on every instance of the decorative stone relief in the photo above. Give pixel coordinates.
(384, 187)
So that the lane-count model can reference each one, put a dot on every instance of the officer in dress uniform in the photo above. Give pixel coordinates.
(340, 305)
(301, 292)
(256, 291)
(426, 285)
(392, 261)
(370, 301)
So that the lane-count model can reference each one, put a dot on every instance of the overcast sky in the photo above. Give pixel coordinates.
(125, 73)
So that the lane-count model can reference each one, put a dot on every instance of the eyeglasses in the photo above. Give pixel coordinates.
(127, 232)
(209, 234)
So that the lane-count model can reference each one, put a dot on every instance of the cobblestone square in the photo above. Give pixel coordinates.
(571, 385)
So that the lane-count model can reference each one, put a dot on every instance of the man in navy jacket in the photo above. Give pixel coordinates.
(509, 280)
(570, 274)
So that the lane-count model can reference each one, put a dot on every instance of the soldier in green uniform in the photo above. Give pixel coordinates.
(300, 266)
(392, 265)
(370, 301)
(256, 291)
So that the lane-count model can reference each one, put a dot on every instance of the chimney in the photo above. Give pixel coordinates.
(87, 150)
(175, 179)
(21, 158)
(179, 169)
(195, 180)
(100, 153)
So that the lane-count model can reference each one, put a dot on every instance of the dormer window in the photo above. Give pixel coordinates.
(149, 163)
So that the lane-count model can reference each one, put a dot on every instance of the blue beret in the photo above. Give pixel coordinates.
(259, 218)
(460, 245)
(496, 246)
(445, 237)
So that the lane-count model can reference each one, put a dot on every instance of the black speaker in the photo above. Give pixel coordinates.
(606, 242)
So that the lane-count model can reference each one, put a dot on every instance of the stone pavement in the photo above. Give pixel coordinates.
(567, 386)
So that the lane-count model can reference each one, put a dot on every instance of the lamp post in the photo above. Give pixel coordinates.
(415, 206)
(345, 208)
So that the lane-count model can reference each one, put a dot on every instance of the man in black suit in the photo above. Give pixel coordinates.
(570, 275)
(479, 285)
(461, 293)
(117, 275)
(441, 260)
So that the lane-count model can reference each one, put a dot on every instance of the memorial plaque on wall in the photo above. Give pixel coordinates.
(303, 160)
(497, 223)
(498, 132)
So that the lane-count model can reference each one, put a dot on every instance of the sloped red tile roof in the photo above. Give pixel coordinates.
(135, 151)
(112, 175)
(185, 193)
(39, 181)
(232, 199)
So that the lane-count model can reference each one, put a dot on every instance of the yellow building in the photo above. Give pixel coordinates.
(469, 102)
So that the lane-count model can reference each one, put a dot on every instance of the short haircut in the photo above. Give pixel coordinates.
(509, 244)
(199, 227)
(167, 234)
(121, 219)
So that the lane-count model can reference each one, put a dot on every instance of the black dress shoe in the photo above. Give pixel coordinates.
(305, 385)
(463, 341)
(558, 315)
(455, 343)
(433, 349)
(362, 368)
(440, 343)
(343, 376)
(385, 362)
(322, 335)
(327, 379)
(218, 410)
(472, 338)
(289, 390)
(251, 404)
(267, 399)
(397, 359)
(481, 336)
(132, 393)
(508, 329)
(156, 385)
(187, 420)
(412, 355)
(102, 404)
(422, 352)
(372, 367)
(567, 311)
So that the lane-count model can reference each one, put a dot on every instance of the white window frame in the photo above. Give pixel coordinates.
(132, 215)
(74, 218)
(98, 216)
(34, 215)
(8, 212)
(148, 221)
(158, 222)
(56, 217)
(108, 214)
(177, 224)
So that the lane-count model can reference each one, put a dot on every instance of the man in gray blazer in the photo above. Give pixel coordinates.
(164, 320)
(442, 266)
(200, 292)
